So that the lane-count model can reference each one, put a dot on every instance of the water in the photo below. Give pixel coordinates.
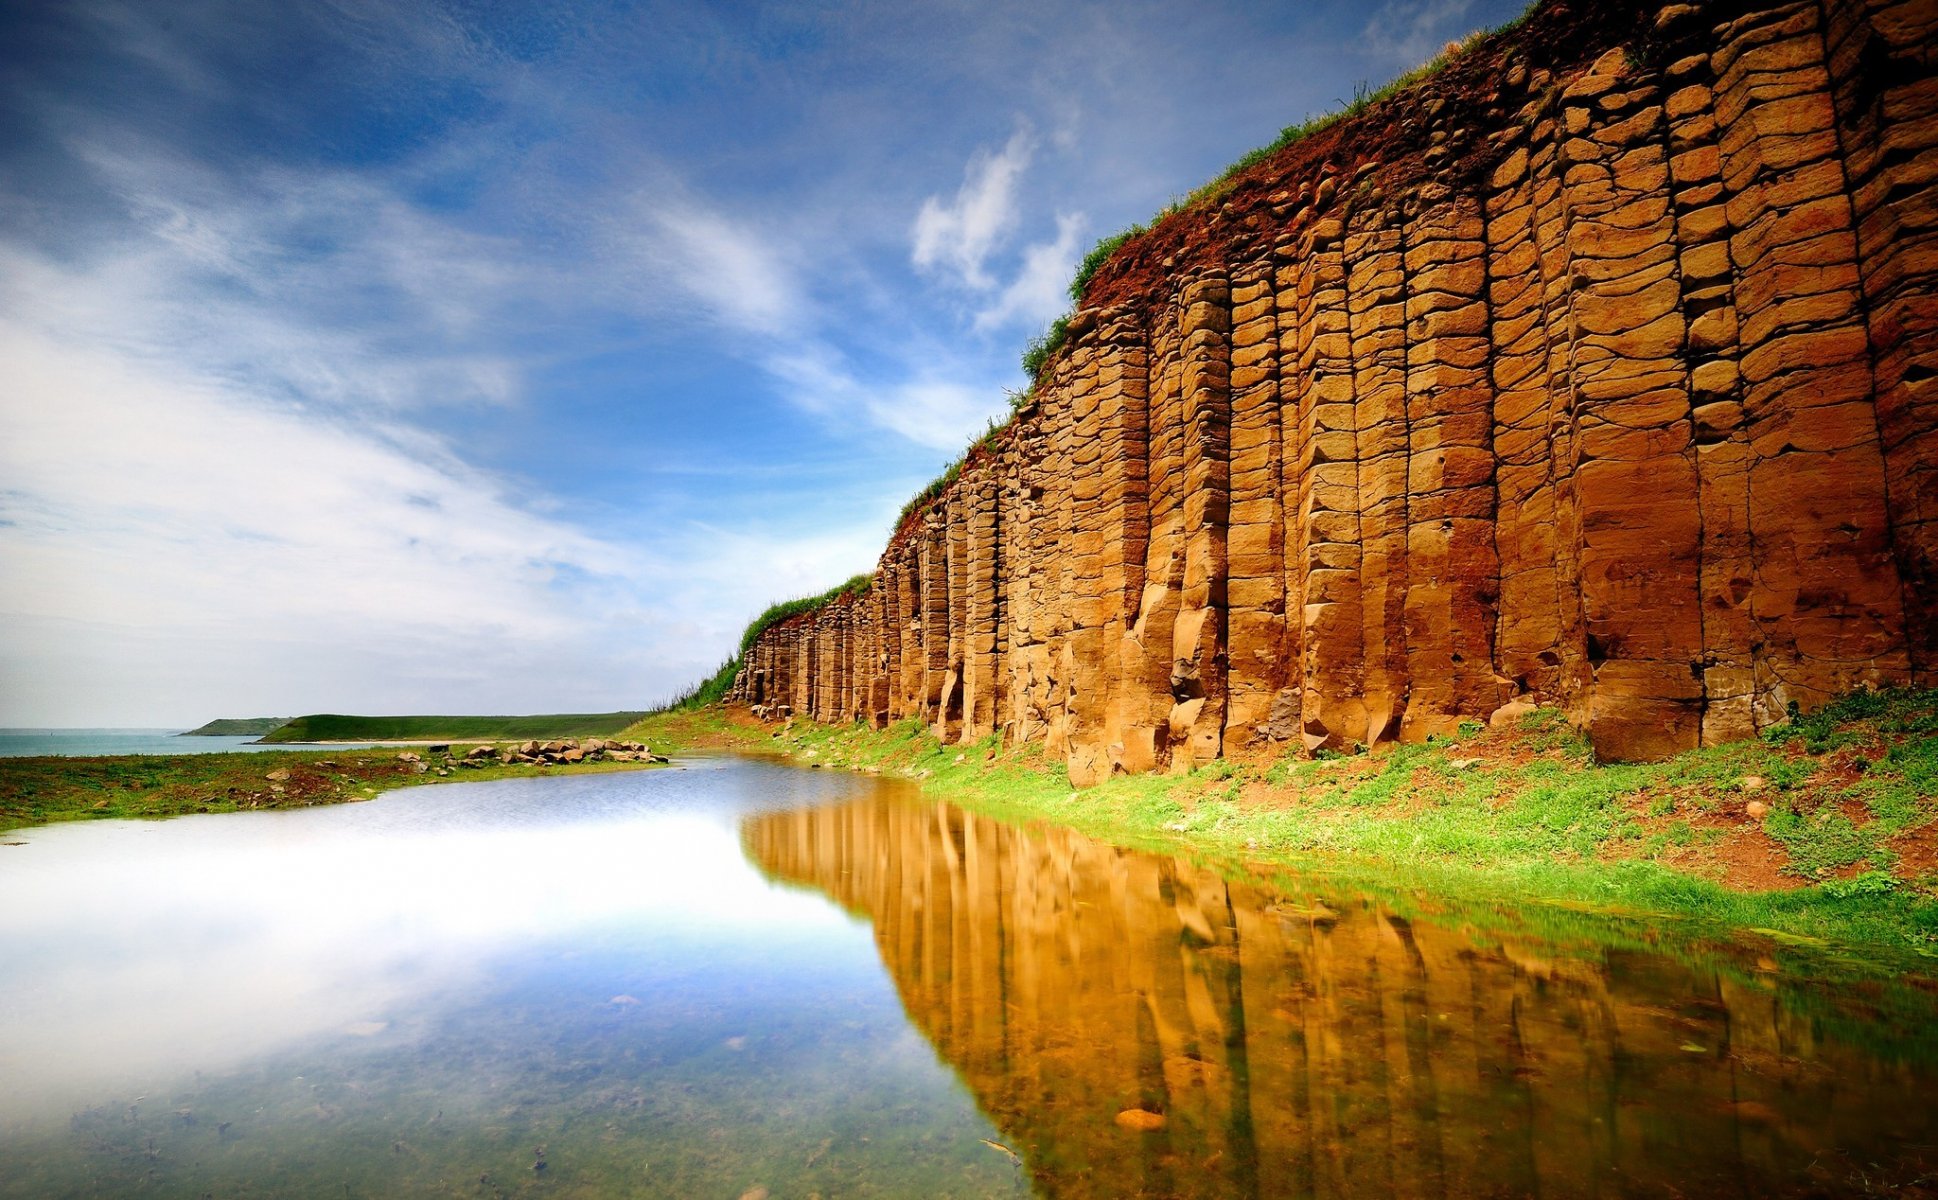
(72, 743)
(742, 976)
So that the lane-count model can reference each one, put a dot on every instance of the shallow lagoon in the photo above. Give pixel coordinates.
(738, 976)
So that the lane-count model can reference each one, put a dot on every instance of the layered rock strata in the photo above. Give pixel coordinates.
(1597, 369)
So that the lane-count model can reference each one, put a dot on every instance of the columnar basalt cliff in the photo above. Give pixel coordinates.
(1595, 369)
(1303, 1045)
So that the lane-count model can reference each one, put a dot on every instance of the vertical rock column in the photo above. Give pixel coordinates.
(955, 559)
(1723, 453)
(1157, 608)
(1256, 637)
(934, 617)
(1883, 63)
(1024, 579)
(908, 599)
(1091, 606)
(1058, 515)
(1636, 478)
(888, 588)
(1376, 286)
(1289, 491)
(1826, 602)
(1198, 646)
(1453, 569)
(982, 604)
(1332, 646)
(1526, 535)
(1123, 502)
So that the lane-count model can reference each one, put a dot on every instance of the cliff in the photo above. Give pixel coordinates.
(1596, 369)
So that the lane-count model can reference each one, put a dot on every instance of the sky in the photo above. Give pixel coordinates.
(453, 356)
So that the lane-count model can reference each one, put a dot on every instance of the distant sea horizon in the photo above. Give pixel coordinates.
(90, 742)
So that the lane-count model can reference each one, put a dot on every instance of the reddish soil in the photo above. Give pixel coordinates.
(1388, 146)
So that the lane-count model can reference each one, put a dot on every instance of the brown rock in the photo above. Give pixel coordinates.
(1142, 1120)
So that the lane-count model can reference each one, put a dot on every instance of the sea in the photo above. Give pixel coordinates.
(75, 743)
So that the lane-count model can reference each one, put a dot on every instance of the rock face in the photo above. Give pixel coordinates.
(1596, 369)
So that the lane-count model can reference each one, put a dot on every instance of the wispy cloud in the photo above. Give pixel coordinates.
(1409, 33)
(724, 264)
(219, 495)
(1040, 290)
(958, 235)
(917, 390)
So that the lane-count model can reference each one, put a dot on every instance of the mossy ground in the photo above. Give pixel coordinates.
(36, 791)
(1825, 829)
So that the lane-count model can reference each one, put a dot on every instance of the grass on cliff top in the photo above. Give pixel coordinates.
(335, 727)
(714, 688)
(1040, 350)
(776, 613)
(1845, 846)
(40, 790)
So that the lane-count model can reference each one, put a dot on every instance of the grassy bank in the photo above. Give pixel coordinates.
(1822, 830)
(335, 727)
(36, 791)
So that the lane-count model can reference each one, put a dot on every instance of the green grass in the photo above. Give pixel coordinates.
(40, 790)
(714, 688)
(335, 727)
(1520, 815)
(776, 613)
(237, 727)
(711, 690)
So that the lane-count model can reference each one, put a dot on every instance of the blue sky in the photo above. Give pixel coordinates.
(411, 356)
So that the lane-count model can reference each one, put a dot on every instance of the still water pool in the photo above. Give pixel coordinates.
(741, 978)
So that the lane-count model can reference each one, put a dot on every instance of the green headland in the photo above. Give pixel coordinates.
(237, 727)
(337, 727)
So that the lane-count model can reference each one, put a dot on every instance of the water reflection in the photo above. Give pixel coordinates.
(569, 986)
(1138, 1026)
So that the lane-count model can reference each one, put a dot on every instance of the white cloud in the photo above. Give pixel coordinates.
(278, 276)
(725, 265)
(746, 285)
(227, 537)
(1040, 290)
(1411, 33)
(175, 550)
(960, 235)
(936, 412)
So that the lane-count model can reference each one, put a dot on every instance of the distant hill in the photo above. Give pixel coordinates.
(335, 727)
(237, 727)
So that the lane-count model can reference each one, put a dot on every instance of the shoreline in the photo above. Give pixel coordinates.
(37, 790)
(1521, 816)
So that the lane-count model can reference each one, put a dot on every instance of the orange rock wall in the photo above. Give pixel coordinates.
(1615, 391)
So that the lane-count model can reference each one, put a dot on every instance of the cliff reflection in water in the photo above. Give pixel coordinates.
(1321, 1044)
